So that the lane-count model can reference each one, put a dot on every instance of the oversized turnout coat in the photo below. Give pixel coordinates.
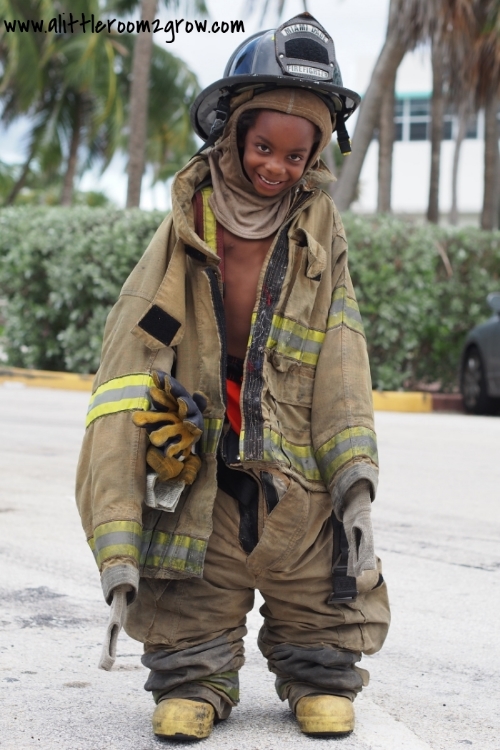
(306, 397)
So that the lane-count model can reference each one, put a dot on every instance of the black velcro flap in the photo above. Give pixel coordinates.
(160, 325)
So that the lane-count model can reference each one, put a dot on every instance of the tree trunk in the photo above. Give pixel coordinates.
(139, 96)
(385, 70)
(491, 161)
(437, 117)
(463, 115)
(19, 184)
(69, 177)
(385, 149)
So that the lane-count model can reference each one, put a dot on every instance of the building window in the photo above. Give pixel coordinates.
(471, 131)
(418, 131)
(420, 119)
(412, 120)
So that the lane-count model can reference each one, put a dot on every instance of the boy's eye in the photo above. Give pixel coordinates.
(262, 147)
(295, 157)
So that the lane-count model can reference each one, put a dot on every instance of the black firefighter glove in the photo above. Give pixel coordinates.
(358, 529)
(174, 424)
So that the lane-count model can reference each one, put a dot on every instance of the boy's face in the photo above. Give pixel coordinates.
(276, 150)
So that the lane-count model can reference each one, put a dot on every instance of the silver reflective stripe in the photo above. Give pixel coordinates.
(119, 394)
(342, 448)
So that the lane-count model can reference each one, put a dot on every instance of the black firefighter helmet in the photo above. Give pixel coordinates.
(300, 53)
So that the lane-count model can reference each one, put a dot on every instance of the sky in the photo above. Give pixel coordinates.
(357, 27)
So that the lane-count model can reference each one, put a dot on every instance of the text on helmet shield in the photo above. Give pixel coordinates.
(305, 70)
(301, 27)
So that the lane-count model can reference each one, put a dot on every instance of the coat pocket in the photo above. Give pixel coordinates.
(289, 381)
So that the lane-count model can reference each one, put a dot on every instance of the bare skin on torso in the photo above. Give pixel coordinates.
(243, 261)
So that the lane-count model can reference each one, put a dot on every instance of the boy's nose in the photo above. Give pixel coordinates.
(276, 167)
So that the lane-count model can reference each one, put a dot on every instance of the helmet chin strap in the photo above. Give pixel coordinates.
(342, 135)
(221, 117)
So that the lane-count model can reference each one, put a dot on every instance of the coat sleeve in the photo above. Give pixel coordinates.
(111, 474)
(342, 421)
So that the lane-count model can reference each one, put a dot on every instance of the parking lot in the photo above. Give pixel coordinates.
(437, 524)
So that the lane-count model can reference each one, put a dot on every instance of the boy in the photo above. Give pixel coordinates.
(237, 344)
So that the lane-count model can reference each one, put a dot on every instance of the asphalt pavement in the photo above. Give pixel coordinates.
(437, 526)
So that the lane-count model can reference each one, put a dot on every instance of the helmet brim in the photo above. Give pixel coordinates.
(204, 107)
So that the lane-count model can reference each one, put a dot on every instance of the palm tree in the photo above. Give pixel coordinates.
(438, 103)
(75, 99)
(139, 88)
(89, 107)
(172, 89)
(463, 116)
(22, 79)
(382, 80)
(20, 53)
(486, 74)
(385, 149)
(410, 22)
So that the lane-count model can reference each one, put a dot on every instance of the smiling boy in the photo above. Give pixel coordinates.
(276, 149)
(238, 345)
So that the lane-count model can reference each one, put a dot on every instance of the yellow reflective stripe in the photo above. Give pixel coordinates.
(343, 447)
(344, 310)
(178, 552)
(301, 458)
(140, 378)
(209, 220)
(325, 462)
(125, 393)
(295, 340)
(116, 539)
(278, 449)
(125, 404)
(212, 429)
(117, 550)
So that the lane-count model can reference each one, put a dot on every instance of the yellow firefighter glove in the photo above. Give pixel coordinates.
(175, 421)
(174, 424)
(167, 430)
(171, 468)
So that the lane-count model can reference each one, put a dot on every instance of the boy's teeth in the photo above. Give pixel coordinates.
(269, 181)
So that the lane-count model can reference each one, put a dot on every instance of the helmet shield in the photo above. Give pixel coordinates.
(306, 50)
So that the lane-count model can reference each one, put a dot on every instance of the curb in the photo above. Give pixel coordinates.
(67, 381)
(415, 401)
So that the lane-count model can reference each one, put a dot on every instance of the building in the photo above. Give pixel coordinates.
(412, 148)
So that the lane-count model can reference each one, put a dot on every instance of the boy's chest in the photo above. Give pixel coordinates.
(243, 261)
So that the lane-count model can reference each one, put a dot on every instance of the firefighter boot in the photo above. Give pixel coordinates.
(182, 719)
(325, 715)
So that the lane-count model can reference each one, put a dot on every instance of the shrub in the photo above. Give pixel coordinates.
(420, 288)
(61, 271)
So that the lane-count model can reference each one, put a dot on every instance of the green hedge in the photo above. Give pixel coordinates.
(61, 270)
(420, 288)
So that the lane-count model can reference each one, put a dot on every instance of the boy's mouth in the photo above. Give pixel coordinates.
(268, 182)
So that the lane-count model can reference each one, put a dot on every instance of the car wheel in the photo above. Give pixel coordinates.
(473, 384)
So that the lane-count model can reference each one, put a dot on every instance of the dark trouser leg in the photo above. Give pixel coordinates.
(193, 629)
(208, 672)
(310, 645)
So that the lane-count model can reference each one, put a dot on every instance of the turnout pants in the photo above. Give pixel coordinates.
(279, 541)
